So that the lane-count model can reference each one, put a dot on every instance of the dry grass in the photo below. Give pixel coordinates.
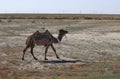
(88, 44)
(76, 71)
(115, 31)
(12, 50)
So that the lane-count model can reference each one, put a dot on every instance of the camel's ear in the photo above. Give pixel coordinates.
(66, 31)
(37, 31)
(61, 30)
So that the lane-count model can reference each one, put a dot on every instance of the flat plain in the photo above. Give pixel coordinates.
(91, 49)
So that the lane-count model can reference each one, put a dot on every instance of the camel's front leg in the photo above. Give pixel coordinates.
(46, 52)
(55, 52)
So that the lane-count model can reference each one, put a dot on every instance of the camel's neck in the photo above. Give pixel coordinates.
(60, 36)
(58, 39)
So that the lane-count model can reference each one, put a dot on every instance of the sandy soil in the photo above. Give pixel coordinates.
(87, 41)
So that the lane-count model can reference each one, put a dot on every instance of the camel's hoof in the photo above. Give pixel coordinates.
(46, 59)
(22, 58)
(35, 58)
(58, 57)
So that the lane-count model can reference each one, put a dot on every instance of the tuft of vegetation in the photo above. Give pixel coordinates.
(33, 22)
(9, 20)
(1, 20)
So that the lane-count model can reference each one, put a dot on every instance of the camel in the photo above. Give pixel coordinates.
(45, 39)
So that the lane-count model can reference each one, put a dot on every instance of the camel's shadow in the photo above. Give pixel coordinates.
(60, 61)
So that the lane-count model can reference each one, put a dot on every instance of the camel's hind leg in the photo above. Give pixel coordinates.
(33, 53)
(25, 51)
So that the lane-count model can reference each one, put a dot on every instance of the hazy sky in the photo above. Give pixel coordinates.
(60, 6)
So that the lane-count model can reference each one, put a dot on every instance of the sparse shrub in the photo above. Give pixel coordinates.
(33, 21)
(88, 18)
(0, 20)
(61, 18)
(98, 18)
(76, 18)
(10, 20)
(44, 17)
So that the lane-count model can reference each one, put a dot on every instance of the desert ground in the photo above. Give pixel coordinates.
(91, 49)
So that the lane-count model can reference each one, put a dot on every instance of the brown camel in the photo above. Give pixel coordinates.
(46, 39)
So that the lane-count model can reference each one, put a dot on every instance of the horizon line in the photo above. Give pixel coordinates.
(64, 13)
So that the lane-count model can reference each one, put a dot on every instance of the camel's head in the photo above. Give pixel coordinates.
(63, 32)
